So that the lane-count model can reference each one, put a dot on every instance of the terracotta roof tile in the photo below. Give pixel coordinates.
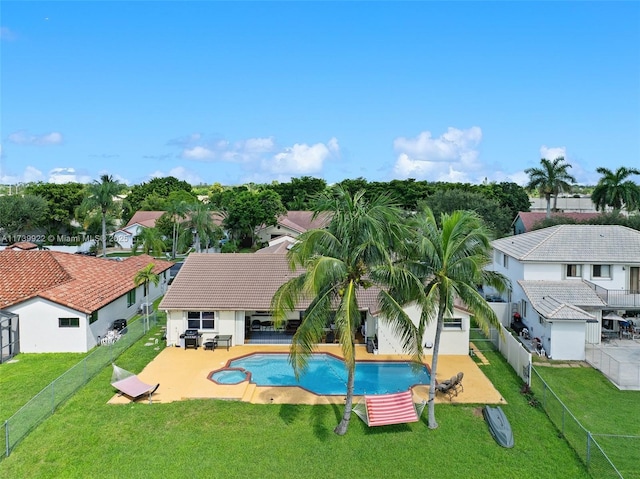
(23, 245)
(530, 218)
(84, 283)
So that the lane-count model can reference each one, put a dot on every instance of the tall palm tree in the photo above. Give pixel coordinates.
(178, 210)
(616, 190)
(445, 263)
(201, 224)
(101, 196)
(146, 276)
(550, 179)
(150, 241)
(334, 265)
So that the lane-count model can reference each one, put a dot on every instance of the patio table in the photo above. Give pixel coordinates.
(226, 338)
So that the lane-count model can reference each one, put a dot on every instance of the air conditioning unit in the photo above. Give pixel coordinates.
(146, 308)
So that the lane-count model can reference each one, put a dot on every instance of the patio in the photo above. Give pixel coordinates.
(619, 360)
(182, 375)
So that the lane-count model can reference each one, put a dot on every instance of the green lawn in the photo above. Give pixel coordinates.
(30, 374)
(601, 409)
(87, 437)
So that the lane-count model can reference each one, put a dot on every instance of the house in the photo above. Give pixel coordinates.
(224, 294)
(525, 221)
(22, 246)
(564, 203)
(66, 301)
(293, 224)
(566, 278)
(126, 236)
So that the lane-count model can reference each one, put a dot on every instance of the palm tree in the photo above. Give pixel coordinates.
(444, 264)
(146, 276)
(177, 209)
(550, 180)
(615, 190)
(101, 197)
(201, 224)
(335, 264)
(150, 241)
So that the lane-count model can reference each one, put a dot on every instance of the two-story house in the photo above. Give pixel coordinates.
(566, 278)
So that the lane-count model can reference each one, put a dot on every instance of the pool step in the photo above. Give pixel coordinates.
(248, 392)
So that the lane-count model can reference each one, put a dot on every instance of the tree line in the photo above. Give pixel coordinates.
(200, 216)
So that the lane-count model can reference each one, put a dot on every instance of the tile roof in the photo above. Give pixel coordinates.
(301, 221)
(236, 282)
(530, 218)
(23, 245)
(550, 308)
(83, 283)
(574, 244)
(145, 218)
(575, 292)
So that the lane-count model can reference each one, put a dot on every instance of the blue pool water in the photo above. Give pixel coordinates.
(229, 376)
(327, 375)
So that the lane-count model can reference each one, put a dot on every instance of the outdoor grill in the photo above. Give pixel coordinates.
(192, 338)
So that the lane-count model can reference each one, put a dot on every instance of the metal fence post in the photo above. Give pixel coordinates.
(6, 437)
(588, 449)
(53, 396)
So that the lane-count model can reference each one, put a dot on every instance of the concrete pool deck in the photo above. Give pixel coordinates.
(183, 375)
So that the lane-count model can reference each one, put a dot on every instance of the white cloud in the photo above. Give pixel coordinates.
(24, 138)
(553, 153)
(262, 158)
(453, 156)
(198, 153)
(29, 174)
(300, 159)
(67, 175)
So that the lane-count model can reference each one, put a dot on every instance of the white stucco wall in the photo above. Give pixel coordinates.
(265, 234)
(567, 340)
(39, 330)
(452, 341)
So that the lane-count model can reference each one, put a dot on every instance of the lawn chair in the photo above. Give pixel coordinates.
(130, 385)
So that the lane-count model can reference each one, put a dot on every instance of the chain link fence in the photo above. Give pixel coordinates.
(44, 404)
(582, 441)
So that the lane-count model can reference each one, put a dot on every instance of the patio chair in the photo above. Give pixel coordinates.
(256, 325)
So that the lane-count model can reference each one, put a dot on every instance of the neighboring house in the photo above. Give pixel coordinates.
(566, 278)
(22, 246)
(126, 236)
(582, 204)
(66, 301)
(222, 294)
(525, 221)
(293, 224)
(281, 244)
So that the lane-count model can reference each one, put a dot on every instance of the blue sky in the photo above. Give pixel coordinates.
(233, 92)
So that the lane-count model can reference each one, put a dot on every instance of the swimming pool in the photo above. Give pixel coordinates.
(327, 375)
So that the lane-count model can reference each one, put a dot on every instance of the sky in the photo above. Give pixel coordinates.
(237, 92)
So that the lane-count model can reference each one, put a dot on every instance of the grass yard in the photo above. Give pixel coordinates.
(87, 437)
(602, 409)
(23, 379)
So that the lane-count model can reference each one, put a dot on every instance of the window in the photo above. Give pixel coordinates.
(201, 319)
(601, 271)
(68, 322)
(131, 298)
(574, 271)
(93, 318)
(505, 261)
(523, 307)
(452, 323)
